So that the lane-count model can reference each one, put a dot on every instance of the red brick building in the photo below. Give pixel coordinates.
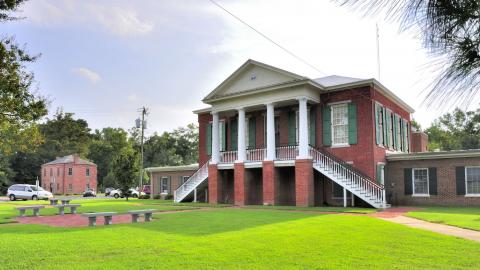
(274, 137)
(69, 175)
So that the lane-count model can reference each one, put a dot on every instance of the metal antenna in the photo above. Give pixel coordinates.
(378, 52)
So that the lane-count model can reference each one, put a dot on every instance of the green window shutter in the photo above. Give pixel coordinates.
(404, 135)
(209, 139)
(313, 128)
(223, 145)
(234, 135)
(292, 128)
(395, 129)
(377, 124)
(352, 123)
(407, 136)
(407, 180)
(384, 129)
(432, 181)
(460, 180)
(388, 124)
(169, 185)
(251, 133)
(327, 126)
(379, 173)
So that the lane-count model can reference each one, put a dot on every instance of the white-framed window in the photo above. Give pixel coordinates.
(184, 179)
(420, 181)
(472, 180)
(340, 124)
(87, 172)
(399, 134)
(70, 171)
(164, 185)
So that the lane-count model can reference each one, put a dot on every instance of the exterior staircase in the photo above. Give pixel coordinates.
(349, 178)
(191, 184)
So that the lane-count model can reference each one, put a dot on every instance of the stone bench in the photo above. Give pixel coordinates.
(53, 201)
(36, 209)
(92, 218)
(136, 213)
(61, 208)
(66, 201)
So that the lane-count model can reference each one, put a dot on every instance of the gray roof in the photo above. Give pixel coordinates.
(190, 167)
(434, 155)
(335, 80)
(69, 159)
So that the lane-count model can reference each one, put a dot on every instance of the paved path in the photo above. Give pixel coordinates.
(396, 215)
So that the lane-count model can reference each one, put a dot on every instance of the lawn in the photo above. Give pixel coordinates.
(227, 238)
(463, 217)
(357, 210)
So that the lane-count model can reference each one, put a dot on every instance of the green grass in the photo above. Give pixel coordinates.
(463, 217)
(316, 209)
(8, 211)
(236, 239)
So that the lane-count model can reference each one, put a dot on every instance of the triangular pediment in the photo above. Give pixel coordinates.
(252, 75)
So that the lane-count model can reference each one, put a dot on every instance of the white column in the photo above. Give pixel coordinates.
(344, 197)
(303, 128)
(270, 132)
(195, 195)
(242, 149)
(215, 138)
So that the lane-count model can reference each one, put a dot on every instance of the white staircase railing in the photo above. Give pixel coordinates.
(191, 184)
(347, 177)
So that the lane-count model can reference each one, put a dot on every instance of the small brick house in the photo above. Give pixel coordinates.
(69, 175)
(273, 137)
(165, 180)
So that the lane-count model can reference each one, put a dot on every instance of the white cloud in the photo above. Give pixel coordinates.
(87, 74)
(113, 19)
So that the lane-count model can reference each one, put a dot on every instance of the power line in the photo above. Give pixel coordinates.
(269, 39)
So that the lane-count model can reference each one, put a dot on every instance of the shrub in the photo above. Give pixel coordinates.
(157, 197)
(169, 197)
(144, 197)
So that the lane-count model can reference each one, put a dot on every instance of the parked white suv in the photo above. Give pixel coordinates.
(27, 192)
(117, 193)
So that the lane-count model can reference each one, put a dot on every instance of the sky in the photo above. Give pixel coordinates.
(103, 60)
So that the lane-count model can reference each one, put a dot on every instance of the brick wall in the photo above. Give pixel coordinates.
(446, 182)
(60, 182)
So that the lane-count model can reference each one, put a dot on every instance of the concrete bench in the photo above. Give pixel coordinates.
(36, 209)
(61, 208)
(92, 218)
(65, 201)
(136, 213)
(53, 201)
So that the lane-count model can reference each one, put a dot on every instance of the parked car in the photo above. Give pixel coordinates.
(117, 193)
(89, 193)
(107, 191)
(146, 189)
(27, 192)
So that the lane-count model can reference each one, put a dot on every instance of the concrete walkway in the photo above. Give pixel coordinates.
(396, 215)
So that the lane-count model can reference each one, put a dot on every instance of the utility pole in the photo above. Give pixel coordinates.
(141, 125)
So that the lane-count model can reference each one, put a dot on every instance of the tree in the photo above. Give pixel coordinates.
(459, 130)
(450, 29)
(20, 106)
(125, 170)
(107, 144)
(62, 135)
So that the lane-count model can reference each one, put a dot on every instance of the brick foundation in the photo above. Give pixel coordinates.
(239, 183)
(213, 189)
(269, 183)
(304, 190)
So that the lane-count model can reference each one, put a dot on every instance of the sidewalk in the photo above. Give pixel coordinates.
(396, 215)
